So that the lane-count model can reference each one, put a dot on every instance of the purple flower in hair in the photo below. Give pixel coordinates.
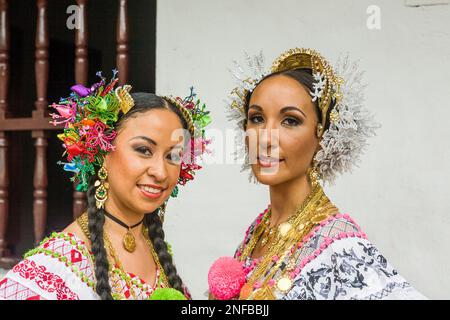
(80, 90)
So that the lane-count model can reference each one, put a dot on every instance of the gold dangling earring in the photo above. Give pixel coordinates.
(319, 131)
(313, 174)
(162, 211)
(101, 193)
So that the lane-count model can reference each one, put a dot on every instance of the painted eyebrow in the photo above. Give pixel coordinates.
(285, 109)
(255, 106)
(151, 141)
(288, 108)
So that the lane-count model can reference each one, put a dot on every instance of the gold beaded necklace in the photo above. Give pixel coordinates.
(115, 257)
(269, 234)
(316, 208)
(83, 223)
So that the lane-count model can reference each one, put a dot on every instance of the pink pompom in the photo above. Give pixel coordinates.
(226, 278)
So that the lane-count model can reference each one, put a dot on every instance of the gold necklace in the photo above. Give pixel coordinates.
(156, 258)
(248, 250)
(83, 223)
(268, 231)
(114, 256)
(269, 234)
(313, 210)
(162, 274)
(128, 241)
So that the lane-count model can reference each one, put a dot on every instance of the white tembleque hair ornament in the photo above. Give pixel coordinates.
(342, 89)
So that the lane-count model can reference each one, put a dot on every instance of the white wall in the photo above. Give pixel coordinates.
(400, 193)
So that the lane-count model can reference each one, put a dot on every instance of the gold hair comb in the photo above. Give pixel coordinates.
(126, 102)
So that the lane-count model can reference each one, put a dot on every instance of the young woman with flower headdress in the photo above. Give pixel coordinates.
(128, 152)
(303, 122)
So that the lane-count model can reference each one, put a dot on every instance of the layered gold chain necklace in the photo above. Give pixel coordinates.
(316, 208)
(269, 234)
(83, 223)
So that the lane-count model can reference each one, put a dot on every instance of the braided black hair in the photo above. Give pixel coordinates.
(156, 235)
(96, 217)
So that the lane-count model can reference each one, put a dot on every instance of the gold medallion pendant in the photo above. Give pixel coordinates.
(284, 284)
(284, 228)
(129, 242)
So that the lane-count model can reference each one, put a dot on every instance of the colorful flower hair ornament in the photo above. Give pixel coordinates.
(89, 116)
(197, 118)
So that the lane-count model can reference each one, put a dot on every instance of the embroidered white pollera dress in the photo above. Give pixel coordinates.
(62, 268)
(334, 261)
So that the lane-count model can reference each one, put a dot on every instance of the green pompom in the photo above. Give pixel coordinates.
(167, 294)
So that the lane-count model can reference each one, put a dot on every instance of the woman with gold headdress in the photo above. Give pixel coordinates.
(304, 122)
(128, 152)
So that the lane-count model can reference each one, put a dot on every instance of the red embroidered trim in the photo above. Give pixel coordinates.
(47, 281)
(12, 290)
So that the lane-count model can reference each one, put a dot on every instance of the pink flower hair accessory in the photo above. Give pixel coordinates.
(197, 117)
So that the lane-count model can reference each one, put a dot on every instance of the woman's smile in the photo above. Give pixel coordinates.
(267, 162)
(151, 191)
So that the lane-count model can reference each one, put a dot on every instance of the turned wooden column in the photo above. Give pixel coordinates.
(122, 42)
(4, 169)
(81, 76)
(40, 166)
